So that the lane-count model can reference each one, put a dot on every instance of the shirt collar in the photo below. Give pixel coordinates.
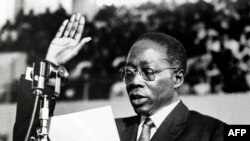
(160, 115)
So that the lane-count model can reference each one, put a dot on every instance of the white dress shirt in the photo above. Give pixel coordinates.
(157, 118)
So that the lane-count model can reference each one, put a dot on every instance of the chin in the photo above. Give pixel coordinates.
(141, 110)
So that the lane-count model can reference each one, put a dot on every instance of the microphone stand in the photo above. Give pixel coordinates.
(43, 73)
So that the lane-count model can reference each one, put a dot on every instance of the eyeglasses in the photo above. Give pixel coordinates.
(148, 74)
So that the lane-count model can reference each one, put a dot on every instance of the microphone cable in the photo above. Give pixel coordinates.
(32, 117)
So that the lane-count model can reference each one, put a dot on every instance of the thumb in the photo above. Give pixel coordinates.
(82, 42)
(85, 40)
(80, 45)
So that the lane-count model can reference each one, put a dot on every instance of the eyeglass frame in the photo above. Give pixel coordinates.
(142, 73)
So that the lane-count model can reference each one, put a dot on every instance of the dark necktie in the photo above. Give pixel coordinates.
(146, 129)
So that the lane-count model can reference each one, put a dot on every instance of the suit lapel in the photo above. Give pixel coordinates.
(129, 129)
(173, 125)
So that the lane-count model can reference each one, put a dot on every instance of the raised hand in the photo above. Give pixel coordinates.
(67, 42)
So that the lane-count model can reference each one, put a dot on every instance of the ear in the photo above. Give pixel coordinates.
(178, 78)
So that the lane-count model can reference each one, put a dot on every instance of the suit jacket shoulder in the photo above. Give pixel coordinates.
(204, 127)
(204, 120)
(180, 125)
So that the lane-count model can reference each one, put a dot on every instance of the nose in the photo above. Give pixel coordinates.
(137, 80)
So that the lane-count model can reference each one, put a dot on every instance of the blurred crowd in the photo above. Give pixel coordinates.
(216, 36)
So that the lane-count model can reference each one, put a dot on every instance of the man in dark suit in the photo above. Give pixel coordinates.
(154, 70)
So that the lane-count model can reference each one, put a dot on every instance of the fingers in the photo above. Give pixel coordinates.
(80, 28)
(72, 28)
(61, 29)
(69, 26)
(75, 25)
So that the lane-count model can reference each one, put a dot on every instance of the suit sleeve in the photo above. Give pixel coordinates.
(25, 103)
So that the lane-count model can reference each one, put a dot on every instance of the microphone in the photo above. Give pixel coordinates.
(45, 72)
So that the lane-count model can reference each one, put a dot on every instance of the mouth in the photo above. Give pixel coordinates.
(137, 99)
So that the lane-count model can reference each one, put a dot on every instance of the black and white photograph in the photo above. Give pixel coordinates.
(124, 70)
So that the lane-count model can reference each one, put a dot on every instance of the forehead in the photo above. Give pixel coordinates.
(146, 52)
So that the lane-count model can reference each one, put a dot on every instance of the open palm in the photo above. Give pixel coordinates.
(67, 43)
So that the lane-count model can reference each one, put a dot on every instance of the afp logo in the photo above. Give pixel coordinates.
(237, 133)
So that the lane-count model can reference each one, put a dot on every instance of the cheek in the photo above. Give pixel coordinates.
(161, 89)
